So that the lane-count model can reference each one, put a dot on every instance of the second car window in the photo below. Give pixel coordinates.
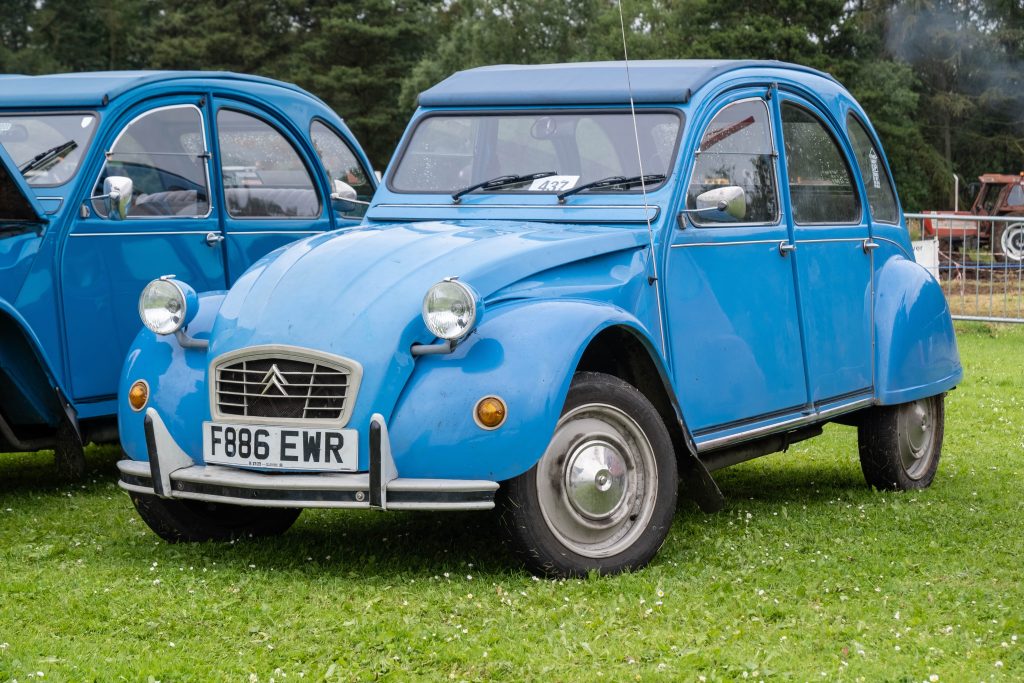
(264, 176)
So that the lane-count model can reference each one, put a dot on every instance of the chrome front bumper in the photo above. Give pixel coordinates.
(170, 473)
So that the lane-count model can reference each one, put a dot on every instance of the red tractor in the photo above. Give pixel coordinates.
(999, 195)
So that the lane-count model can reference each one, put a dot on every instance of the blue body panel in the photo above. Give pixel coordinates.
(74, 280)
(743, 335)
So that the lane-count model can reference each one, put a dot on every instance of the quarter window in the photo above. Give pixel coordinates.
(881, 198)
(164, 153)
(820, 183)
(341, 163)
(736, 150)
(264, 176)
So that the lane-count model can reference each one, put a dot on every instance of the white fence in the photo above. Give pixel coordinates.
(979, 260)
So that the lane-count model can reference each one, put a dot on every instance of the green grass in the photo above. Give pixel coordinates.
(806, 575)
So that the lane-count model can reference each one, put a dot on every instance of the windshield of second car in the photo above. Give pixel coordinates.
(451, 152)
(46, 148)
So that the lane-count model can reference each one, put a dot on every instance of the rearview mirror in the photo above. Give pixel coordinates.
(117, 197)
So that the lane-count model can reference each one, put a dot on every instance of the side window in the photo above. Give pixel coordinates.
(341, 163)
(736, 151)
(164, 153)
(820, 183)
(264, 176)
(1016, 196)
(881, 198)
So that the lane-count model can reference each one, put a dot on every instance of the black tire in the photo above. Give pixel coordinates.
(615, 514)
(194, 521)
(900, 445)
(1008, 242)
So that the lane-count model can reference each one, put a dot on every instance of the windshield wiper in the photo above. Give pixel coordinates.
(501, 181)
(613, 181)
(46, 159)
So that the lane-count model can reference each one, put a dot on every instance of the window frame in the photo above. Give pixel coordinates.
(371, 179)
(616, 109)
(693, 218)
(876, 144)
(859, 220)
(205, 156)
(317, 190)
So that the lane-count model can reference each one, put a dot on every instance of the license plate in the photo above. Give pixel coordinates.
(287, 448)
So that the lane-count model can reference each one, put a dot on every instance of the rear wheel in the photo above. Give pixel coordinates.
(603, 495)
(900, 445)
(188, 521)
(1009, 242)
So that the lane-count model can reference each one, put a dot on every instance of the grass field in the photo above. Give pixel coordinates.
(806, 575)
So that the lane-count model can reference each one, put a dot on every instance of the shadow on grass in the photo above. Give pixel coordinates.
(36, 472)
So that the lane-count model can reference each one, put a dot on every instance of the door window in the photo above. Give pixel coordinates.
(821, 186)
(736, 150)
(881, 197)
(164, 153)
(341, 163)
(264, 176)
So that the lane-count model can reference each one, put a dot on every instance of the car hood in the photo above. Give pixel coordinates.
(18, 204)
(359, 293)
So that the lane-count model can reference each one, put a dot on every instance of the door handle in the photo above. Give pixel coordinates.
(868, 246)
(785, 247)
(213, 239)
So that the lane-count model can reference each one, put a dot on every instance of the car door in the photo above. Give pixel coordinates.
(171, 228)
(730, 292)
(833, 255)
(271, 195)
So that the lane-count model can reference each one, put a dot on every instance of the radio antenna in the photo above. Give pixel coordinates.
(653, 279)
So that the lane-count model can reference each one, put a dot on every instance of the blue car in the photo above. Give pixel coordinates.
(109, 180)
(560, 306)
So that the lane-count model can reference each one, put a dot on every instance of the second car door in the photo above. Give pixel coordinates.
(833, 256)
(271, 196)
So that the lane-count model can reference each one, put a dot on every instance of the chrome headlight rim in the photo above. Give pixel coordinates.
(470, 297)
(184, 294)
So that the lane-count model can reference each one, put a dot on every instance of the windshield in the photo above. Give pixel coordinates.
(450, 153)
(46, 148)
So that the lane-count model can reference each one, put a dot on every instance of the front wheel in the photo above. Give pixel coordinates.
(900, 445)
(1009, 242)
(603, 495)
(187, 521)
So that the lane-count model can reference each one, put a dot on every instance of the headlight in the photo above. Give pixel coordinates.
(450, 309)
(166, 305)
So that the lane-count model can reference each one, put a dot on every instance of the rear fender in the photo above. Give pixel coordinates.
(177, 384)
(916, 351)
(526, 353)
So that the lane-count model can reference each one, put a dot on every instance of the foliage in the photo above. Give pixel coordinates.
(941, 79)
(806, 575)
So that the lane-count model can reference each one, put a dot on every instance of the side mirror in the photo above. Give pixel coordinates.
(722, 204)
(343, 191)
(117, 197)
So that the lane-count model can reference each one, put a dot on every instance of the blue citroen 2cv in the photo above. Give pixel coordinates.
(108, 180)
(560, 306)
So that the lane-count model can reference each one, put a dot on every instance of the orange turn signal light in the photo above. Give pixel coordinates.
(490, 412)
(138, 395)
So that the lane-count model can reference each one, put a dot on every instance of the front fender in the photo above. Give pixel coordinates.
(29, 390)
(916, 347)
(177, 383)
(526, 353)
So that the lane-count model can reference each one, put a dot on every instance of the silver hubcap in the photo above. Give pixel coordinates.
(1012, 242)
(916, 437)
(597, 481)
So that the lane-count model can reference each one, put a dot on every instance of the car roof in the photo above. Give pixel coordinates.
(97, 88)
(653, 81)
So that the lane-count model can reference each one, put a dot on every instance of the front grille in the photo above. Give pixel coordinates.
(284, 387)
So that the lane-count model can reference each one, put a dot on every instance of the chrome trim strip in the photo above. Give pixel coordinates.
(724, 244)
(823, 240)
(274, 232)
(354, 378)
(819, 416)
(141, 233)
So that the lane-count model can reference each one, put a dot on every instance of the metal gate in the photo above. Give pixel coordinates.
(978, 260)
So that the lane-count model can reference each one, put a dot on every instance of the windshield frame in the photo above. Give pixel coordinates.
(539, 111)
(86, 145)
